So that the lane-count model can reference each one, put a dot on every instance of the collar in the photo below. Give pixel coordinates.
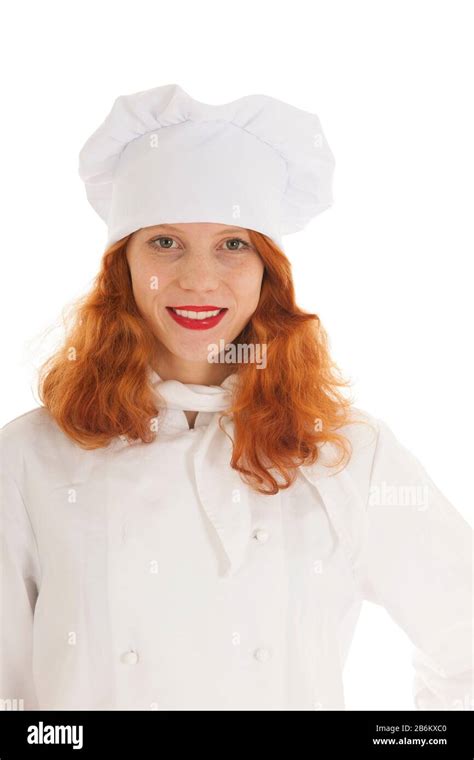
(192, 397)
(222, 493)
(225, 497)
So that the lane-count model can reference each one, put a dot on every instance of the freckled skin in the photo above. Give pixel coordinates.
(194, 263)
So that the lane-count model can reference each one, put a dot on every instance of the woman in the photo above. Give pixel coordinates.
(194, 516)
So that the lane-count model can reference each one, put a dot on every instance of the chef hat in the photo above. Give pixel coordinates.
(162, 157)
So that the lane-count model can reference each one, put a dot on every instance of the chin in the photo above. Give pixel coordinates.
(200, 357)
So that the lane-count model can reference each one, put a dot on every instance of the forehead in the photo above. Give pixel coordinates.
(209, 229)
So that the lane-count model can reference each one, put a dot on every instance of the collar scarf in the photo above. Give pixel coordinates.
(191, 396)
(230, 504)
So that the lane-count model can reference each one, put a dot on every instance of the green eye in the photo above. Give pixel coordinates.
(165, 243)
(237, 240)
(168, 240)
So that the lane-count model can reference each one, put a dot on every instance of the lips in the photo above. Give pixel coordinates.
(191, 321)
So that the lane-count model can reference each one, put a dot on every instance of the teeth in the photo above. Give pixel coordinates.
(197, 314)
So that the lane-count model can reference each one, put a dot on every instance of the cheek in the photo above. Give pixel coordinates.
(141, 291)
(147, 282)
(248, 288)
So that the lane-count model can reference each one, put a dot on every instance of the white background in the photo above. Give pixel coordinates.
(387, 268)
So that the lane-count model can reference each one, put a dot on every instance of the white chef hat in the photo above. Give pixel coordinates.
(162, 157)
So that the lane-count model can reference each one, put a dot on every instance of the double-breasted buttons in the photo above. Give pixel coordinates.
(130, 657)
(261, 535)
(261, 654)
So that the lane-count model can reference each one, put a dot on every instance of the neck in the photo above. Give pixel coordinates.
(191, 417)
(170, 367)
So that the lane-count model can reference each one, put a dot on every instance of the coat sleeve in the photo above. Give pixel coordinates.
(19, 583)
(417, 564)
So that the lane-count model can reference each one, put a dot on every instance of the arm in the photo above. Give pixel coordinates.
(19, 574)
(417, 563)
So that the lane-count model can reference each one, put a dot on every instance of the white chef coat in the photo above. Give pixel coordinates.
(150, 576)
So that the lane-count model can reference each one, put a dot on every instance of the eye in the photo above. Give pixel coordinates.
(165, 243)
(237, 240)
(162, 243)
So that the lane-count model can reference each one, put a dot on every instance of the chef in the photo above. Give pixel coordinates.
(179, 533)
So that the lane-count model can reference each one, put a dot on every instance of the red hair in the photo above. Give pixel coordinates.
(96, 385)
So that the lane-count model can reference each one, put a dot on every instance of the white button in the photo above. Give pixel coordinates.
(261, 535)
(130, 658)
(261, 654)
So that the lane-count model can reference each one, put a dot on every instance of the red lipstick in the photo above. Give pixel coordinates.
(195, 323)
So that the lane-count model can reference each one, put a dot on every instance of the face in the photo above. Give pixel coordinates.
(188, 267)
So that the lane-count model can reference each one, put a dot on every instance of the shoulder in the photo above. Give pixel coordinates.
(362, 432)
(369, 435)
(381, 458)
(375, 450)
(27, 425)
(33, 431)
(362, 428)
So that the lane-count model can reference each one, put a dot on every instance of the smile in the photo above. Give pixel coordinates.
(200, 318)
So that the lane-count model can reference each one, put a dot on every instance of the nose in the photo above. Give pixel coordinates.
(198, 272)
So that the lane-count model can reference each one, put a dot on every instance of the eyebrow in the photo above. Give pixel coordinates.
(239, 230)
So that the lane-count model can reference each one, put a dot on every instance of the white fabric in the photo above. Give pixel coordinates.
(173, 394)
(162, 157)
(148, 576)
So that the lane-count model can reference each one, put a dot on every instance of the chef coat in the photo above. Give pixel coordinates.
(150, 576)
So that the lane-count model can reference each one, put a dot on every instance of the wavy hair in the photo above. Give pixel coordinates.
(96, 384)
